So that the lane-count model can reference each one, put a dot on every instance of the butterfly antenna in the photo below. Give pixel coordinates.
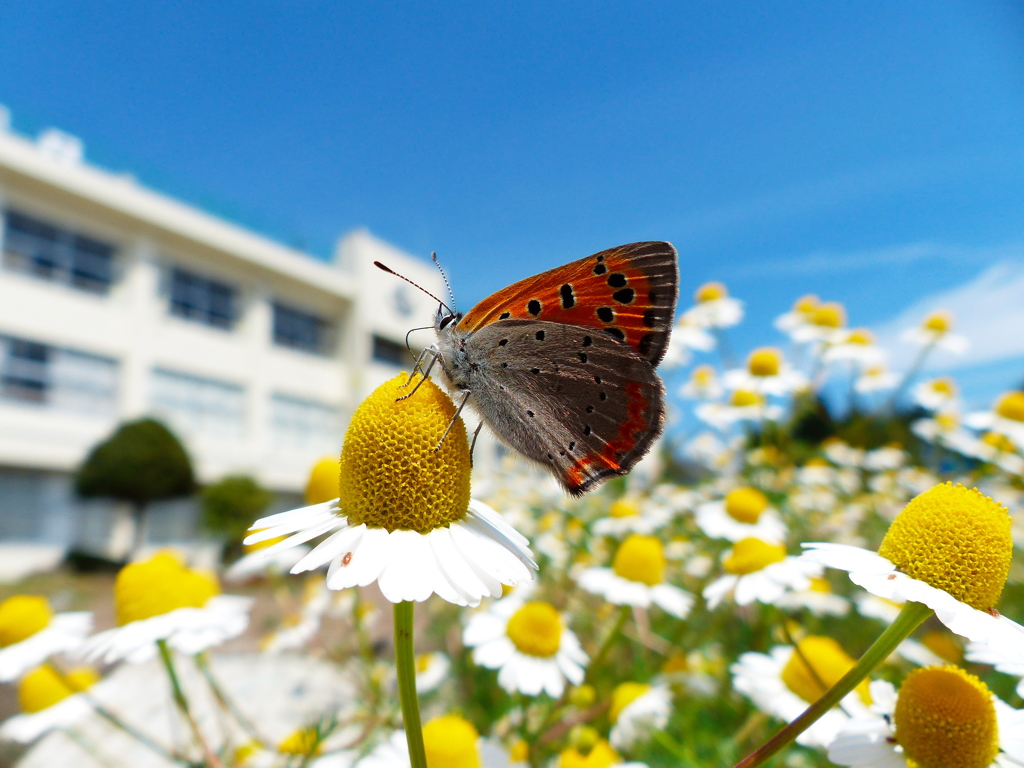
(390, 271)
(451, 294)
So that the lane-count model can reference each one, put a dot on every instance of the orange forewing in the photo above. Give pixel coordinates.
(628, 292)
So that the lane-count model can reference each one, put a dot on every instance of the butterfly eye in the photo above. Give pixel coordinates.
(444, 321)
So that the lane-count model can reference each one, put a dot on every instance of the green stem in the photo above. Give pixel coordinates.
(179, 698)
(405, 661)
(609, 640)
(910, 618)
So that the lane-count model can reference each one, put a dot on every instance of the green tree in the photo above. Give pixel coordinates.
(140, 463)
(231, 505)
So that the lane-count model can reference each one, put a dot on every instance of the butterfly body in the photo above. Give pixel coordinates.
(561, 366)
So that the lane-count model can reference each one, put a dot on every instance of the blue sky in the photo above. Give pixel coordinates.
(870, 152)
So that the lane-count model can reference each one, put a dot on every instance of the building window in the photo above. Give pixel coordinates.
(195, 406)
(63, 379)
(60, 255)
(390, 352)
(300, 330)
(303, 425)
(198, 298)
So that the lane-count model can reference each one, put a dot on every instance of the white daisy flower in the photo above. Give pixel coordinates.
(431, 670)
(825, 325)
(780, 684)
(941, 716)
(30, 633)
(161, 599)
(1005, 418)
(703, 384)
(600, 754)
(449, 741)
(743, 405)
(799, 316)
(637, 577)
(818, 598)
(766, 373)
(686, 336)
(744, 513)
(530, 646)
(993, 448)
(936, 331)
(982, 653)
(954, 550)
(637, 711)
(631, 515)
(842, 453)
(761, 571)
(938, 394)
(49, 700)
(875, 378)
(856, 346)
(715, 308)
(887, 457)
(406, 521)
(255, 563)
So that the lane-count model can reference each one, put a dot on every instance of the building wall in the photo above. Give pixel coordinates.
(243, 397)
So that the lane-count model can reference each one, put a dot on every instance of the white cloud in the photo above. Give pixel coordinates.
(988, 310)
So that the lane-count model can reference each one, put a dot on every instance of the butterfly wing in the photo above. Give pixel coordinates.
(627, 292)
(573, 399)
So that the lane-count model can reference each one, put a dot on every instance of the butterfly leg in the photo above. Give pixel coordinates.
(455, 417)
(472, 445)
(434, 355)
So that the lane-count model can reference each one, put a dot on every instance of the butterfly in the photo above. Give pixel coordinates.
(561, 366)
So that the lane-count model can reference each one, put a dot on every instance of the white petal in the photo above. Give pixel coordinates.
(453, 565)
(333, 546)
(367, 561)
(846, 557)
(672, 600)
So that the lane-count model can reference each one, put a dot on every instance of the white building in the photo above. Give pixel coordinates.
(117, 302)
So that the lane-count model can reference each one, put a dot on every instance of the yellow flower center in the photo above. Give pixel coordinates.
(817, 461)
(21, 617)
(943, 645)
(600, 756)
(829, 663)
(939, 323)
(861, 336)
(582, 696)
(943, 386)
(1011, 406)
(536, 629)
(947, 421)
(703, 375)
(677, 662)
(765, 361)
(745, 505)
(1001, 443)
(301, 742)
(956, 540)
(450, 742)
(640, 558)
(751, 555)
(393, 476)
(245, 752)
(820, 585)
(624, 695)
(624, 508)
(742, 398)
(43, 687)
(945, 717)
(710, 292)
(423, 662)
(519, 752)
(159, 585)
(830, 314)
(806, 305)
(323, 480)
